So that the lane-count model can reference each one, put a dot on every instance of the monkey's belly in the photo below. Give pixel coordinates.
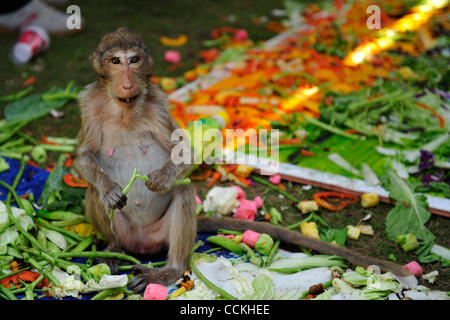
(119, 165)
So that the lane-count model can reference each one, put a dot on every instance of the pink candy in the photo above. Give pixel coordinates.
(155, 291)
(258, 202)
(414, 268)
(198, 200)
(172, 56)
(246, 211)
(250, 238)
(241, 194)
(241, 35)
(275, 179)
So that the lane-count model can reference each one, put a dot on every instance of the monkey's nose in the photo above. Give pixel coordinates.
(127, 85)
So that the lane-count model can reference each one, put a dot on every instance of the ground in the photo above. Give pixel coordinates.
(67, 59)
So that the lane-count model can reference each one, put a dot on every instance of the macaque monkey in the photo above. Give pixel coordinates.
(126, 124)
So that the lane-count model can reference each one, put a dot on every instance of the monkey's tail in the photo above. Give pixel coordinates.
(212, 224)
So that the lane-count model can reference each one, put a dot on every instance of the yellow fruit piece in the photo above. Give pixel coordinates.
(168, 84)
(353, 232)
(243, 170)
(369, 200)
(307, 206)
(174, 42)
(309, 229)
(83, 229)
(238, 238)
(365, 229)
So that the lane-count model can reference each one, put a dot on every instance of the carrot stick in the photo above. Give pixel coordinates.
(215, 176)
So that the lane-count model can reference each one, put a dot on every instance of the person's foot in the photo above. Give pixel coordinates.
(37, 13)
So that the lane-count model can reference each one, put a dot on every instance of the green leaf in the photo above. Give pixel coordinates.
(33, 107)
(410, 213)
(338, 235)
(54, 183)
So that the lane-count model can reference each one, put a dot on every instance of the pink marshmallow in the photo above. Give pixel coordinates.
(155, 291)
(198, 200)
(241, 35)
(258, 202)
(414, 268)
(246, 211)
(241, 193)
(172, 56)
(250, 238)
(275, 179)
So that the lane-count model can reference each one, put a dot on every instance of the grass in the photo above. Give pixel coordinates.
(67, 59)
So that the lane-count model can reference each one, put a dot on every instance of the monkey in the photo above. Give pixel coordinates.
(126, 124)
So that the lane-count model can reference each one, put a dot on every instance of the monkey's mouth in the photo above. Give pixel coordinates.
(128, 101)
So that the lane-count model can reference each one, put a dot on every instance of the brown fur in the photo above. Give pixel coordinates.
(114, 132)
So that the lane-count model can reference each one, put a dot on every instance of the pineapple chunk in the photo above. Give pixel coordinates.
(369, 200)
(307, 206)
(353, 232)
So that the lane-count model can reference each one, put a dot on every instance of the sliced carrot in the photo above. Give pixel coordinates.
(68, 163)
(243, 180)
(215, 177)
(29, 81)
(74, 182)
(307, 153)
(203, 175)
(290, 141)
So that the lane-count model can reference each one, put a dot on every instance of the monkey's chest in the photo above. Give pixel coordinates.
(119, 163)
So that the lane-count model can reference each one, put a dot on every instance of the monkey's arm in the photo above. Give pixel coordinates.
(110, 191)
(162, 179)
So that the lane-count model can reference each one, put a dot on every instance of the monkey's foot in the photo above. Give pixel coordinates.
(144, 276)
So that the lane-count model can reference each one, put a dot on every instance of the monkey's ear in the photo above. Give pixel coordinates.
(96, 60)
(150, 64)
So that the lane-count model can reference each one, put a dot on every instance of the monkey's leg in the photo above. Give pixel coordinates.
(182, 233)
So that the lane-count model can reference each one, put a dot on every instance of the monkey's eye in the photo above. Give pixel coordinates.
(115, 60)
(134, 59)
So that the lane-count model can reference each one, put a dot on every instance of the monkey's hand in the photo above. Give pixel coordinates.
(160, 180)
(113, 198)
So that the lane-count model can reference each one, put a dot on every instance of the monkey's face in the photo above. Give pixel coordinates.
(127, 83)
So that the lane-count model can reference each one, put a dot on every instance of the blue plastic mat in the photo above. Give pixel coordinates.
(33, 180)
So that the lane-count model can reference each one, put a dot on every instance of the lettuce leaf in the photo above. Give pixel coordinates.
(410, 213)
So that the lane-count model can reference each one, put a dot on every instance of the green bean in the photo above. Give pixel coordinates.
(83, 245)
(60, 230)
(226, 231)
(22, 230)
(107, 293)
(13, 273)
(8, 293)
(225, 243)
(98, 254)
(43, 271)
(274, 187)
(69, 222)
(272, 253)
